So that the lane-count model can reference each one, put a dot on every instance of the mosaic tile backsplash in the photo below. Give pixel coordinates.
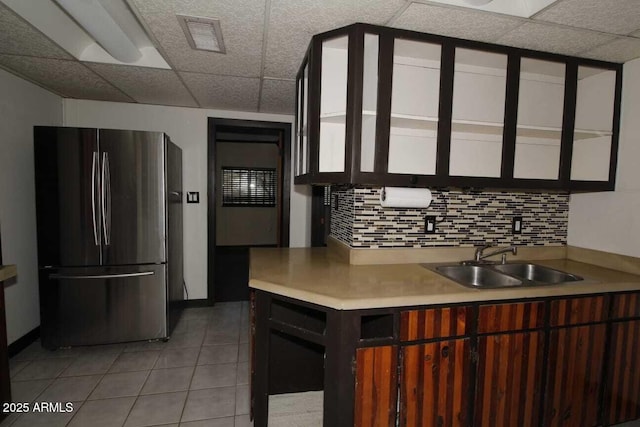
(472, 218)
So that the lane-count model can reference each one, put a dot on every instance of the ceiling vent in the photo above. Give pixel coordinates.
(202, 33)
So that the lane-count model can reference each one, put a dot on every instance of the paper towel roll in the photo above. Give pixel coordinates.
(396, 197)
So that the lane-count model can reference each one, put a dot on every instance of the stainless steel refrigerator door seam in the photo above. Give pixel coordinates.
(93, 197)
(101, 276)
(106, 199)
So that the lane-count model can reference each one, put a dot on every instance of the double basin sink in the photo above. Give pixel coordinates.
(504, 275)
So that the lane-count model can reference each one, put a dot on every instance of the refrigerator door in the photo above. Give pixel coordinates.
(83, 306)
(175, 267)
(132, 170)
(67, 196)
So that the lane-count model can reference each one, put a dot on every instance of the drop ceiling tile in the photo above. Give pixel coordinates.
(223, 92)
(553, 38)
(610, 16)
(456, 22)
(146, 85)
(68, 78)
(242, 23)
(292, 23)
(17, 37)
(620, 50)
(278, 96)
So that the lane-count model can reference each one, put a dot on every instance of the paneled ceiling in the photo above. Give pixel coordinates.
(266, 40)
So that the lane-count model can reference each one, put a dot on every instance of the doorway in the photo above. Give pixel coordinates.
(248, 199)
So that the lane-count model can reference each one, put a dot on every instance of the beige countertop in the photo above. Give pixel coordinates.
(318, 276)
(7, 272)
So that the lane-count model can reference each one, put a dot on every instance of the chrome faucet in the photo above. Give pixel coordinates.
(480, 255)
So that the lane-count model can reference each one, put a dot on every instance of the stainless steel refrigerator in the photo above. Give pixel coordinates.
(109, 218)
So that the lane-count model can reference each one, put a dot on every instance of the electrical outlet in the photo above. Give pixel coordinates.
(516, 225)
(429, 224)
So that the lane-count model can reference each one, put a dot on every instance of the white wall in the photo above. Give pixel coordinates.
(187, 127)
(22, 105)
(611, 221)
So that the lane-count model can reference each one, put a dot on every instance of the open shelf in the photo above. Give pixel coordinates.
(408, 121)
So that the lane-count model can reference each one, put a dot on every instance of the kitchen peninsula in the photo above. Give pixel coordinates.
(401, 342)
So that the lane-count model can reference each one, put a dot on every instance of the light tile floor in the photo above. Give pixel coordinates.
(198, 378)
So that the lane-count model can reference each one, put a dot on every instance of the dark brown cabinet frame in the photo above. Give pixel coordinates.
(380, 175)
(341, 332)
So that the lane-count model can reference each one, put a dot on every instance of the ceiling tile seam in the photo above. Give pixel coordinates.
(159, 48)
(571, 27)
(69, 60)
(547, 7)
(30, 80)
(519, 18)
(599, 46)
(265, 35)
(401, 10)
(112, 83)
(106, 81)
(282, 79)
(71, 57)
(217, 75)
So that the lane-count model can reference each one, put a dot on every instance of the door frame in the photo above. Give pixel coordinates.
(251, 127)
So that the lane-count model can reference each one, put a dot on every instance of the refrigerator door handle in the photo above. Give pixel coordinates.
(106, 199)
(101, 276)
(94, 170)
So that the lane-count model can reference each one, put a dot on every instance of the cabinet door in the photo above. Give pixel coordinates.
(477, 125)
(443, 322)
(509, 379)
(302, 152)
(540, 119)
(332, 140)
(622, 400)
(376, 386)
(414, 107)
(594, 146)
(435, 384)
(574, 376)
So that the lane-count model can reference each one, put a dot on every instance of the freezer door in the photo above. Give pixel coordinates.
(132, 170)
(83, 306)
(67, 196)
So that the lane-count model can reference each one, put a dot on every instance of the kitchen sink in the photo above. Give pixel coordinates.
(503, 275)
(537, 273)
(478, 277)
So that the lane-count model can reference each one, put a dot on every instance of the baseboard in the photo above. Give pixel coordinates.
(196, 303)
(23, 342)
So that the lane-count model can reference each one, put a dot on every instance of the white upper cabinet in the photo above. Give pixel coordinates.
(384, 106)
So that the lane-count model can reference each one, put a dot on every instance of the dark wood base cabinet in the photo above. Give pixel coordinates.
(565, 361)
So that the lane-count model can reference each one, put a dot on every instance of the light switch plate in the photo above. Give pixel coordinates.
(193, 197)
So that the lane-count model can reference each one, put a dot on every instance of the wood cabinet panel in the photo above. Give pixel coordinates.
(509, 381)
(434, 384)
(376, 386)
(574, 375)
(510, 317)
(441, 322)
(575, 311)
(622, 399)
(625, 306)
